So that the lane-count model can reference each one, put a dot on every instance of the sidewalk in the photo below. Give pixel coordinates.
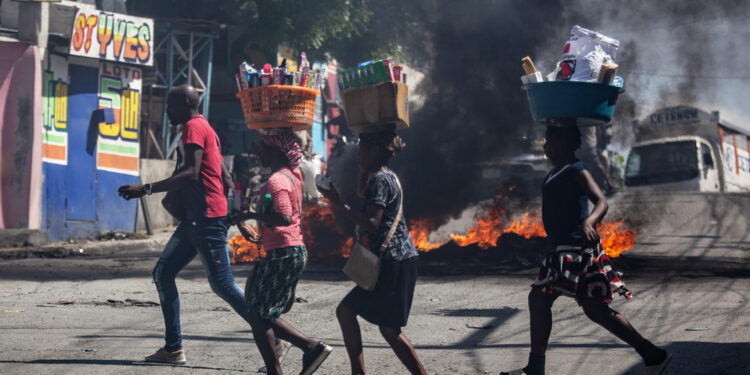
(88, 247)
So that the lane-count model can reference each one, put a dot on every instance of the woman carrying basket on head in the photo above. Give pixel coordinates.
(578, 267)
(276, 276)
(388, 305)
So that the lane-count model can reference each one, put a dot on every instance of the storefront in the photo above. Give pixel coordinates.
(91, 93)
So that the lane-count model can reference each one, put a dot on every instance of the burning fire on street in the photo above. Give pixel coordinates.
(615, 235)
(324, 238)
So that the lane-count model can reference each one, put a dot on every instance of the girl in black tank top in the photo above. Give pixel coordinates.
(577, 267)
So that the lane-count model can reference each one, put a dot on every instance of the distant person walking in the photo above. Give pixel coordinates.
(577, 267)
(275, 277)
(387, 306)
(200, 185)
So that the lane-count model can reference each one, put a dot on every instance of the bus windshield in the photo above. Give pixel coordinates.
(662, 163)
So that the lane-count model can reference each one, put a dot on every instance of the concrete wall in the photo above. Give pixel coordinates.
(153, 170)
(20, 136)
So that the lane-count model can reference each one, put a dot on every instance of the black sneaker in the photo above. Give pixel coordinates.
(311, 361)
(282, 348)
(658, 368)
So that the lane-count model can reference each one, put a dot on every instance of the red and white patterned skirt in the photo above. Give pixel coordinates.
(582, 273)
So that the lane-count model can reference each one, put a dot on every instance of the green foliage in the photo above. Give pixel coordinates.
(350, 30)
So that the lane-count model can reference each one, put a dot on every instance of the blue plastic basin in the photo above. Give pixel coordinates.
(590, 103)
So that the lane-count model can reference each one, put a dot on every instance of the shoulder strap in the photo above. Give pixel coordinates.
(294, 183)
(552, 176)
(397, 220)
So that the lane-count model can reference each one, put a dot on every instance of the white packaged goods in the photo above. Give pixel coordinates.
(532, 78)
(584, 54)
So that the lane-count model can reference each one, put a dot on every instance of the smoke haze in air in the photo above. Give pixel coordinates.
(672, 52)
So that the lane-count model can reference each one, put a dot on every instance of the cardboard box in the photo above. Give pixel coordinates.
(379, 104)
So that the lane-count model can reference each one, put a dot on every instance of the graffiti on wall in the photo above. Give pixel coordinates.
(113, 37)
(119, 90)
(55, 112)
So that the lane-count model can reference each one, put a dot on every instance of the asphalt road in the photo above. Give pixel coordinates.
(91, 315)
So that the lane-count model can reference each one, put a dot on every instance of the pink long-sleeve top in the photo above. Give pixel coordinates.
(286, 201)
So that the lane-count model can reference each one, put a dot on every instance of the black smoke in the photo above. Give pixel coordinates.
(474, 109)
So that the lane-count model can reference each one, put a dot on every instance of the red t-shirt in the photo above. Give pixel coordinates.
(199, 132)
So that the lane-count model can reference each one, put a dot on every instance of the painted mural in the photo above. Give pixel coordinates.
(118, 148)
(113, 37)
(55, 112)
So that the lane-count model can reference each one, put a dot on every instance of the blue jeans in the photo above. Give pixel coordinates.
(207, 238)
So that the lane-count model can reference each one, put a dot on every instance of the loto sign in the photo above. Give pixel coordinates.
(113, 37)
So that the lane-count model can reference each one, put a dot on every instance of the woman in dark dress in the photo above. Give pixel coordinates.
(389, 304)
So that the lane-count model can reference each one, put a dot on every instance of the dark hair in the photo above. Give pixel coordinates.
(387, 139)
(570, 135)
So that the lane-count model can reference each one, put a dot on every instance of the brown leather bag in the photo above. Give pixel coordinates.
(173, 201)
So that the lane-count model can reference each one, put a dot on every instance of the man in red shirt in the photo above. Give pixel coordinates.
(201, 181)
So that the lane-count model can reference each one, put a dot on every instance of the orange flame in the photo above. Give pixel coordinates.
(347, 247)
(420, 230)
(615, 235)
(313, 213)
(245, 251)
(485, 232)
(529, 226)
(616, 238)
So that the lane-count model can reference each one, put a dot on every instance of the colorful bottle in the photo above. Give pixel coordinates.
(230, 203)
(267, 204)
(397, 73)
(303, 63)
(277, 76)
(255, 79)
(266, 75)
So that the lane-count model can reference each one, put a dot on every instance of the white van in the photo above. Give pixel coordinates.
(686, 149)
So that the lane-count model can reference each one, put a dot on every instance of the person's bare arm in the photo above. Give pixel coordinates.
(270, 219)
(273, 218)
(227, 179)
(592, 191)
(369, 221)
(192, 172)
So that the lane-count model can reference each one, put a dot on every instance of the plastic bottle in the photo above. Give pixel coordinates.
(267, 204)
(303, 63)
(266, 76)
(230, 202)
(388, 63)
(397, 73)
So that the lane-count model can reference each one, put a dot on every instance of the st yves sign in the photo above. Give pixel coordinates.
(113, 37)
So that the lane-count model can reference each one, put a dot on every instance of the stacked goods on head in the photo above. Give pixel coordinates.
(583, 85)
(375, 94)
(276, 98)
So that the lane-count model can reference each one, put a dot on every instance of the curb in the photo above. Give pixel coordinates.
(89, 248)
